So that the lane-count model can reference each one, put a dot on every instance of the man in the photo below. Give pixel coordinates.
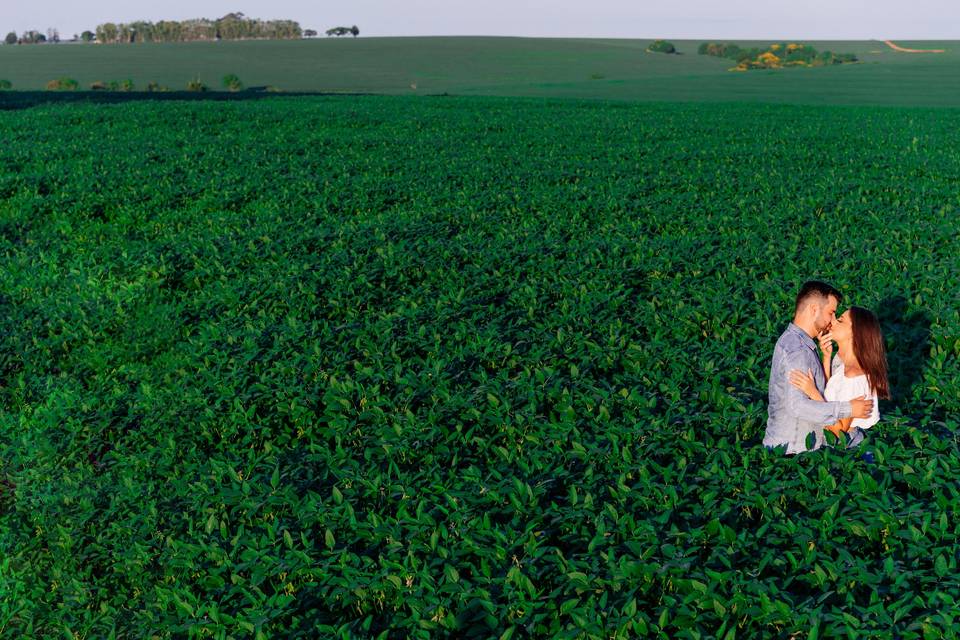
(792, 416)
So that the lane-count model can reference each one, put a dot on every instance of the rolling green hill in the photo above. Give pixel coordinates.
(581, 68)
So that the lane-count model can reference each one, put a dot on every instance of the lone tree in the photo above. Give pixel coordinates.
(87, 36)
(355, 31)
(309, 33)
(11, 38)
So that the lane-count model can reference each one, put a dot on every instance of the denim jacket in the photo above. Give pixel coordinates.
(792, 416)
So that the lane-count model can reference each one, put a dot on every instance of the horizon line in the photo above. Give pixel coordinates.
(577, 37)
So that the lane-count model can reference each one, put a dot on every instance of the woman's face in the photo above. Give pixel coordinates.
(842, 329)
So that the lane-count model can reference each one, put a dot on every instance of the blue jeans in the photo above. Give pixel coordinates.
(857, 436)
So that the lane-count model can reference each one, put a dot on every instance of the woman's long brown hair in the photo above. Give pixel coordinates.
(869, 350)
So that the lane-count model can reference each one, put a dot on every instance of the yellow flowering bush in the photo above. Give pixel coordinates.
(791, 54)
(768, 59)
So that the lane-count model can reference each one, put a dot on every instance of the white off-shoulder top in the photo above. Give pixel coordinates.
(840, 387)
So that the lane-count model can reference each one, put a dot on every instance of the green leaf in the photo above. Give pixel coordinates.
(728, 534)
(211, 523)
(451, 573)
(940, 566)
(821, 574)
(184, 606)
(719, 608)
(328, 539)
(578, 579)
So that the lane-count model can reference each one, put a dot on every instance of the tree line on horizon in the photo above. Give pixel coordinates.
(233, 26)
(32, 36)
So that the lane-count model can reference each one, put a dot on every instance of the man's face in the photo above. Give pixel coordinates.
(827, 314)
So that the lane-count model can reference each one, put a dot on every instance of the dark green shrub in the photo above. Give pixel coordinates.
(63, 84)
(715, 49)
(5, 85)
(113, 85)
(232, 83)
(662, 46)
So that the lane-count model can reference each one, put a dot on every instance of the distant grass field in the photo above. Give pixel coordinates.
(543, 67)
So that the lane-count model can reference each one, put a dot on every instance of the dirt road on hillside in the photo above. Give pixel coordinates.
(902, 50)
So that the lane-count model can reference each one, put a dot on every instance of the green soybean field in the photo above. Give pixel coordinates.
(466, 367)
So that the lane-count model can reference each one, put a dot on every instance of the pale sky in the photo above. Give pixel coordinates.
(678, 19)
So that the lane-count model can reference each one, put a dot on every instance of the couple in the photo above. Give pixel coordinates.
(839, 393)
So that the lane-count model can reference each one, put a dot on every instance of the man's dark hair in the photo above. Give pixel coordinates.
(816, 288)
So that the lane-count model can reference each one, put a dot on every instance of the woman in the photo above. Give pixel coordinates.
(859, 370)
